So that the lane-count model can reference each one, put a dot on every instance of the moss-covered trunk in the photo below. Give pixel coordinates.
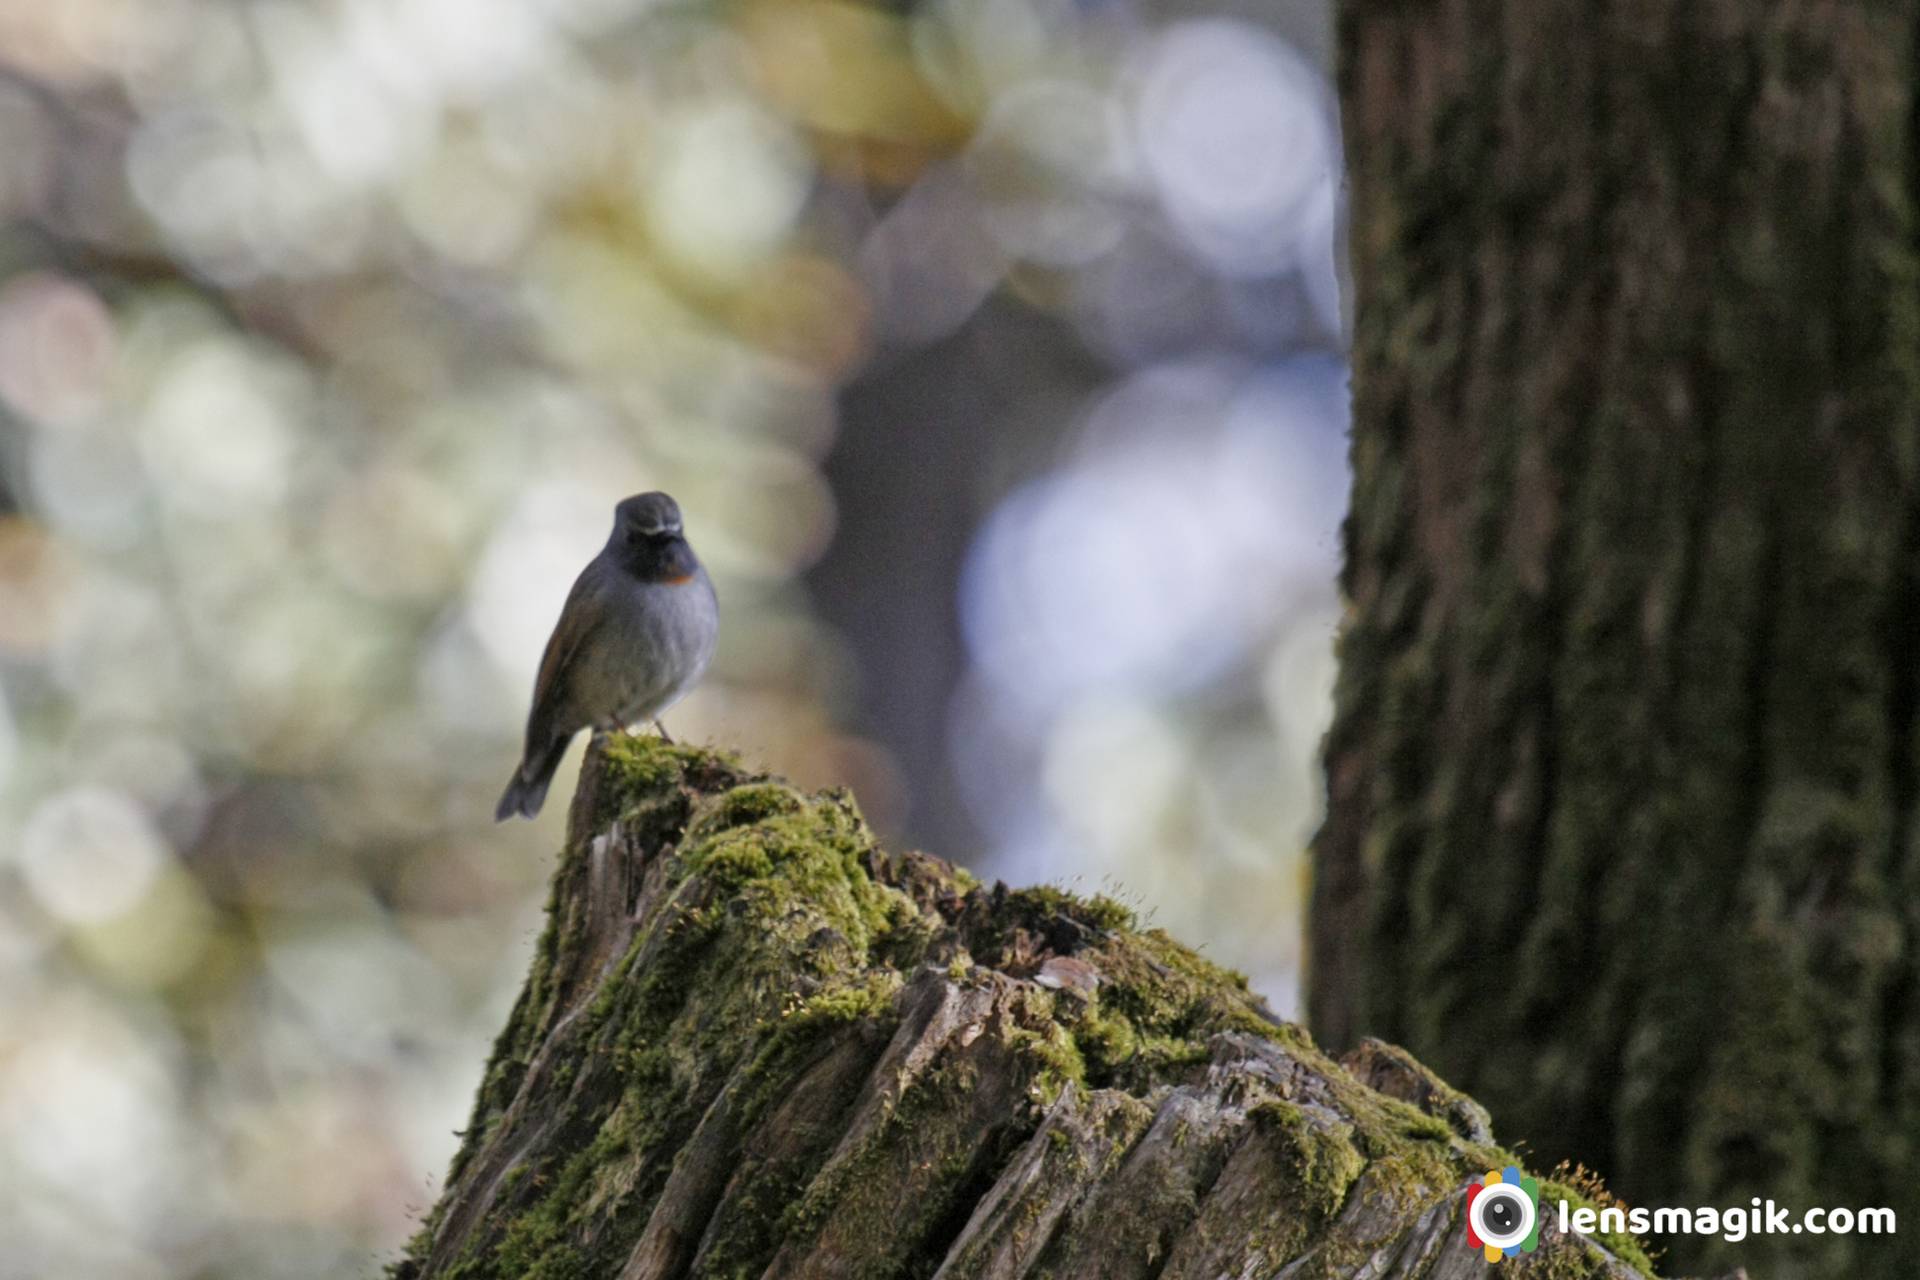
(754, 1045)
(1623, 770)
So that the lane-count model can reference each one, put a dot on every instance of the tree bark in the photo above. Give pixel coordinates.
(752, 1044)
(1622, 775)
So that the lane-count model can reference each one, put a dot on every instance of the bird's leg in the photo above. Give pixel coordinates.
(664, 735)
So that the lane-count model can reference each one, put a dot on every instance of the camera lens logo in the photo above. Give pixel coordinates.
(1503, 1214)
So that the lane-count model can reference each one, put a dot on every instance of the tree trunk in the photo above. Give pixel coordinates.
(751, 1044)
(1622, 774)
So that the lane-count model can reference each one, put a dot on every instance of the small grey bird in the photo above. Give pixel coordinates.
(636, 633)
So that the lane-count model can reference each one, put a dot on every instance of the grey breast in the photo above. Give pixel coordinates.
(658, 654)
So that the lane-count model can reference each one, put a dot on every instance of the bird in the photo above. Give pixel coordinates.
(636, 633)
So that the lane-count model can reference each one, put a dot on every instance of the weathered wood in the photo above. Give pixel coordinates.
(754, 1045)
(1622, 775)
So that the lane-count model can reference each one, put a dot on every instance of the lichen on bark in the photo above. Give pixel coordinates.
(754, 1044)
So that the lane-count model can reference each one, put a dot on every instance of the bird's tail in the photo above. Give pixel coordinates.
(527, 789)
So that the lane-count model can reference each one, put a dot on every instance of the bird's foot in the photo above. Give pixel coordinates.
(664, 735)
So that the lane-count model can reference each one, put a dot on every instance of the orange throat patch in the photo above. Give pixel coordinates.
(680, 581)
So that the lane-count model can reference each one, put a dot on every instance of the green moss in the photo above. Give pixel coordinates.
(809, 856)
(1589, 1194)
(1098, 912)
(1565, 1262)
(1062, 1065)
(869, 999)
(1107, 1041)
(639, 768)
(1158, 1005)
(748, 1229)
(640, 762)
(774, 962)
(1318, 1162)
(699, 989)
(877, 1203)
(745, 805)
(1428, 1128)
(754, 1229)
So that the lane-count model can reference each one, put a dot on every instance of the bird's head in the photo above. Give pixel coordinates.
(648, 539)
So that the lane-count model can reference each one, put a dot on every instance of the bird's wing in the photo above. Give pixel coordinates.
(578, 618)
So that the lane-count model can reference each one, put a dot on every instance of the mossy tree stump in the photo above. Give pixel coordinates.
(752, 1044)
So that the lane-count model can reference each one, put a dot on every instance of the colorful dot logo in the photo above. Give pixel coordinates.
(1503, 1214)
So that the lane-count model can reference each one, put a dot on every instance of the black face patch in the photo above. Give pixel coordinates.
(647, 541)
(663, 558)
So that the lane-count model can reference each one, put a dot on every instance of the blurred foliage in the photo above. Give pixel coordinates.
(329, 334)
